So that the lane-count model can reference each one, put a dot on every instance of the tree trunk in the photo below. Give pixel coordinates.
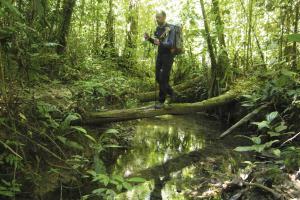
(294, 62)
(132, 33)
(51, 36)
(282, 20)
(223, 59)
(249, 35)
(109, 45)
(82, 13)
(261, 53)
(2, 79)
(256, 40)
(219, 23)
(97, 32)
(68, 7)
(213, 90)
(173, 109)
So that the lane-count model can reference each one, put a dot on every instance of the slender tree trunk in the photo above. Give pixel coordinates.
(97, 31)
(223, 59)
(219, 23)
(294, 62)
(66, 17)
(52, 30)
(20, 5)
(249, 35)
(261, 53)
(213, 90)
(288, 49)
(244, 120)
(2, 61)
(2, 79)
(109, 45)
(43, 18)
(132, 33)
(282, 20)
(82, 13)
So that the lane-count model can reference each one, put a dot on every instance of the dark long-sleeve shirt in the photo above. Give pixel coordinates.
(167, 42)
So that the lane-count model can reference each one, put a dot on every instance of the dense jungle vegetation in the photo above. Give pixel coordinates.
(74, 73)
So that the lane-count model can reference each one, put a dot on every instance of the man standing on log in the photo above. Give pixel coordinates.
(164, 39)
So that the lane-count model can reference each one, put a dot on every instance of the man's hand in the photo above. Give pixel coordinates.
(156, 41)
(146, 36)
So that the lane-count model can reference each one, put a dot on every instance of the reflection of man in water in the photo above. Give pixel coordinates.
(158, 186)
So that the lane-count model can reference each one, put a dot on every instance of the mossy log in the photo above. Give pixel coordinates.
(180, 88)
(95, 118)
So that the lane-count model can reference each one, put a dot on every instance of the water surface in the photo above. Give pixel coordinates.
(176, 154)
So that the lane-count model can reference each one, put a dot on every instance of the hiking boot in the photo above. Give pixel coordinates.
(158, 105)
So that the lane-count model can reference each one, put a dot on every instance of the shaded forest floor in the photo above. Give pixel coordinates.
(41, 116)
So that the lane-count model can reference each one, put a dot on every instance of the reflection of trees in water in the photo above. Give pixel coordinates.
(196, 179)
(159, 141)
(168, 137)
(159, 184)
(175, 148)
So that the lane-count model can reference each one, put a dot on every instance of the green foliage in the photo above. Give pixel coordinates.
(103, 87)
(269, 128)
(282, 87)
(273, 129)
(50, 130)
(12, 162)
(111, 185)
(10, 7)
(258, 147)
(291, 157)
(106, 64)
(9, 189)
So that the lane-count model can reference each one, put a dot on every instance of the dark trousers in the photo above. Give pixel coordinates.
(164, 64)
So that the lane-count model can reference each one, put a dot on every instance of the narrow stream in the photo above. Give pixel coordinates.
(180, 158)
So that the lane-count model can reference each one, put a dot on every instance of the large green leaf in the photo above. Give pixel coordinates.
(293, 37)
(99, 191)
(281, 127)
(257, 147)
(276, 152)
(82, 130)
(244, 148)
(70, 143)
(273, 134)
(74, 145)
(79, 129)
(271, 116)
(127, 186)
(261, 125)
(67, 121)
(136, 180)
(112, 131)
(269, 144)
(256, 140)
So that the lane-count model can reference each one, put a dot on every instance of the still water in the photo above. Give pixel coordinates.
(180, 158)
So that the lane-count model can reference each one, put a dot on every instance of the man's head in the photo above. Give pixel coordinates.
(161, 17)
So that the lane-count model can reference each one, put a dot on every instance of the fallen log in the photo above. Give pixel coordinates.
(180, 88)
(95, 118)
(243, 120)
